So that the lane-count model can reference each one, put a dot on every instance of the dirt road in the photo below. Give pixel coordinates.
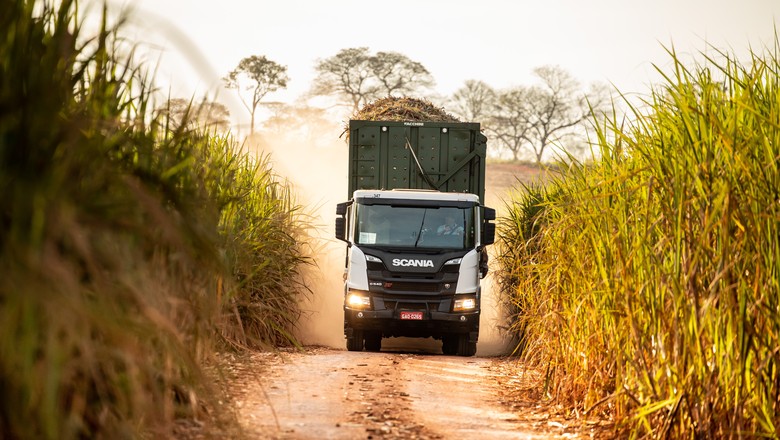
(324, 393)
(407, 391)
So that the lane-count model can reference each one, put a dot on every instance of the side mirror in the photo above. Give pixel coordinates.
(488, 214)
(341, 226)
(488, 233)
(488, 228)
(341, 208)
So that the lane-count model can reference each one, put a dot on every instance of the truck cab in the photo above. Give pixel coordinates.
(415, 256)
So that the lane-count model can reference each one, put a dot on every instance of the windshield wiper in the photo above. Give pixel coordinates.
(419, 233)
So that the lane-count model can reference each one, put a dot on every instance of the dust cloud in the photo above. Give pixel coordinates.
(314, 160)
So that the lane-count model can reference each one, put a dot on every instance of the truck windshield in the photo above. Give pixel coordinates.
(415, 226)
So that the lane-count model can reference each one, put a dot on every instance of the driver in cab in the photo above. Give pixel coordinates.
(449, 227)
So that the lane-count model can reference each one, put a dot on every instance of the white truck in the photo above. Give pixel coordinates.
(416, 233)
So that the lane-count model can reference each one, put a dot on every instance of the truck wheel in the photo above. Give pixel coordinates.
(355, 343)
(373, 341)
(466, 348)
(449, 345)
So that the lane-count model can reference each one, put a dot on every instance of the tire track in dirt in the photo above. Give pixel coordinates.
(325, 394)
(386, 406)
(458, 398)
(333, 394)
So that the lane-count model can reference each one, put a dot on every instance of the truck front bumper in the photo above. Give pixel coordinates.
(434, 323)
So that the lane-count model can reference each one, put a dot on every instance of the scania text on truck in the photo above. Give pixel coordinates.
(416, 231)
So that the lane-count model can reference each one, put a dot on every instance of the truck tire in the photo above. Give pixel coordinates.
(466, 348)
(355, 343)
(449, 345)
(373, 341)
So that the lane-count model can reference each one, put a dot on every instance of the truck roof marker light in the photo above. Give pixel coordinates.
(444, 130)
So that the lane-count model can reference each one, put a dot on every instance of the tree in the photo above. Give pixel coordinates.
(536, 117)
(397, 75)
(473, 101)
(511, 119)
(213, 116)
(558, 106)
(305, 121)
(358, 77)
(208, 115)
(260, 76)
(345, 74)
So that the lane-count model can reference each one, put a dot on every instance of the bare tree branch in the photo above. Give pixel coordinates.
(559, 105)
(359, 77)
(473, 101)
(511, 119)
(398, 75)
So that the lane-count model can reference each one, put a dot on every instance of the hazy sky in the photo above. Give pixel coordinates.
(497, 41)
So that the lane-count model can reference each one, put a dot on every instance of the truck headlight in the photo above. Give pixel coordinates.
(358, 299)
(464, 304)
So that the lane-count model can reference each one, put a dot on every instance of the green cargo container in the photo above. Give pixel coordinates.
(385, 155)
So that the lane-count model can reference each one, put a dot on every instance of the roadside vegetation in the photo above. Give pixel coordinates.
(131, 246)
(646, 282)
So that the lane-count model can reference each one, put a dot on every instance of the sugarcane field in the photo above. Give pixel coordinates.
(412, 220)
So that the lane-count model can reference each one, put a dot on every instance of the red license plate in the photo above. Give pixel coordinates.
(415, 316)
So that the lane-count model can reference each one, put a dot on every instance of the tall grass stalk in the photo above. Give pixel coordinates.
(126, 245)
(647, 282)
(264, 245)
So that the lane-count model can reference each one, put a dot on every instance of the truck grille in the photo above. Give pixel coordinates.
(411, 275)
(414, 287)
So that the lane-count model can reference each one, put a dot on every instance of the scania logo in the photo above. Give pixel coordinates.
(412, 263)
